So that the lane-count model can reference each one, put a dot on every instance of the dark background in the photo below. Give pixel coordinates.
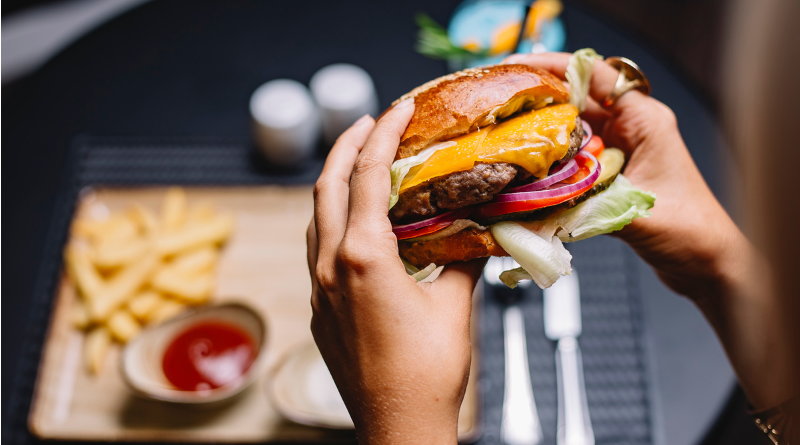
(216, 60)
(687, 33)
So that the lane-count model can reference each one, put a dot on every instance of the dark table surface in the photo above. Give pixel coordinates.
(187, 68)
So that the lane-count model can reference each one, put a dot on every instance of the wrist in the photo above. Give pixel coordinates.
(738, 273)
(732, 264)
(746, 317)
(388, 422)
(402, 430)
(700, 264)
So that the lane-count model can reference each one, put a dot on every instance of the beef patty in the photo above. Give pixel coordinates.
(465, 188)
(575, 140)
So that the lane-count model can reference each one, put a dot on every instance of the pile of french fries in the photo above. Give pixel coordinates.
(135, 268)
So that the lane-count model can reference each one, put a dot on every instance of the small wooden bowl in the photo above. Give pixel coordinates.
(142, 357)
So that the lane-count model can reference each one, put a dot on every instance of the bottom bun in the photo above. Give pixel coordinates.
(463, 246)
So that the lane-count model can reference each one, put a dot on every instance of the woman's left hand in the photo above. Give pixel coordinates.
(398, 350)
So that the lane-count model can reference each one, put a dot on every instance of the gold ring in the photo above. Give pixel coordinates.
(630, 78)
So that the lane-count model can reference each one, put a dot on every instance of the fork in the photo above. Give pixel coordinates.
(562, 324)
(520, 422)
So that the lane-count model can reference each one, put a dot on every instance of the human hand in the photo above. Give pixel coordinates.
(690, 240)
(398, 350)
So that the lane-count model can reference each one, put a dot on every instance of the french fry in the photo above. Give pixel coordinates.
(96, 348)
(118, 228)
(121, 287)
(167, 310)
(80, 315)
(173, 209)
(214, 231)
(80, 268)
(172, 255)
(191, 289)
(123, 326)
(200, 213)
(197, 261)
(145, 218)
(115, 254)
(144, 303)
(87, 227)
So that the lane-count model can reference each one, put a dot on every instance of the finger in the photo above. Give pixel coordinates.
(311, 258)
(370, 183)
(459, 278)
(603, 75)
(595, 115)
(454, 287)
(312, 250)
(332, 188)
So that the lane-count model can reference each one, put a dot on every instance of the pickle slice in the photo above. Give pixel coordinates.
(611, 162)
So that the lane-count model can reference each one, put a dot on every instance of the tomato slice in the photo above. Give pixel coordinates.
(585, 170)
(595, 146)
(501, 208)
(427, 230)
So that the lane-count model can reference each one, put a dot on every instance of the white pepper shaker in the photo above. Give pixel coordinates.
(344, 93)
(286, 121)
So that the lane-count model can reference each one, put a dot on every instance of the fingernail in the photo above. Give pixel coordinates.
(404, 103)
(361, 120)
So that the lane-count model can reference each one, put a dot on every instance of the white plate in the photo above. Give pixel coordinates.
(303, 391)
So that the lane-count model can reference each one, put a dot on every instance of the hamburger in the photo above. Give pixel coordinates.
(497, 161)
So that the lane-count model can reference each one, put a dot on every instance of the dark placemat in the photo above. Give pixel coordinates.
(612, 346)
(611, 341)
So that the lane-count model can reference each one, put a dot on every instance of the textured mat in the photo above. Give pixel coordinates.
(612, 343)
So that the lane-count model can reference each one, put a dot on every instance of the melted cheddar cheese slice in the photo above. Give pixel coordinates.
(532, 140)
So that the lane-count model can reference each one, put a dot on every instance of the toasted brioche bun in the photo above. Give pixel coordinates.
(462, 246)
(461, 102)
(457, 104)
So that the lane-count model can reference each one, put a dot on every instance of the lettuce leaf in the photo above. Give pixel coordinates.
(401, 167)
(607, 212)
(579, 75)
(537, 247)
(511, 278)
(418, 274)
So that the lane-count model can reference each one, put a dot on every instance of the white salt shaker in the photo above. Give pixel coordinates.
(344, 93)
(286, 121)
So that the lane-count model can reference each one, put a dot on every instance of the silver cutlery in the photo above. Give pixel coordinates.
(520, 423)
(562, 323)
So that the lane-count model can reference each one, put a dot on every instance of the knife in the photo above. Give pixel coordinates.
(562, 323)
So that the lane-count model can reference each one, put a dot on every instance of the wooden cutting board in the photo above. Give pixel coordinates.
(263, 265)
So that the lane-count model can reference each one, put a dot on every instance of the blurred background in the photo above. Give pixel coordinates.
(686, 33)
(177, 69)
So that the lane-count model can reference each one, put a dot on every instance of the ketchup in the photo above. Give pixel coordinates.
(208, 355)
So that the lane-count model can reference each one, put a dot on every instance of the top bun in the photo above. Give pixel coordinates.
(466, 100)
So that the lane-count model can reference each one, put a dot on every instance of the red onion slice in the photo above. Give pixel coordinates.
(556, 191)
(563, 172)
(587, 133)
(444, 217)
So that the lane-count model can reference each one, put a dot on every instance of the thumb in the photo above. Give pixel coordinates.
(455, 285)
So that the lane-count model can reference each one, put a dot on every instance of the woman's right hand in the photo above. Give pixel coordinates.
(690, 240)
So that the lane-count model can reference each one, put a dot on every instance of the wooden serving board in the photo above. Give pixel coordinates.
(263, 265)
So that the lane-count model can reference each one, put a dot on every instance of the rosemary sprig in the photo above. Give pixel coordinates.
(433, 42)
